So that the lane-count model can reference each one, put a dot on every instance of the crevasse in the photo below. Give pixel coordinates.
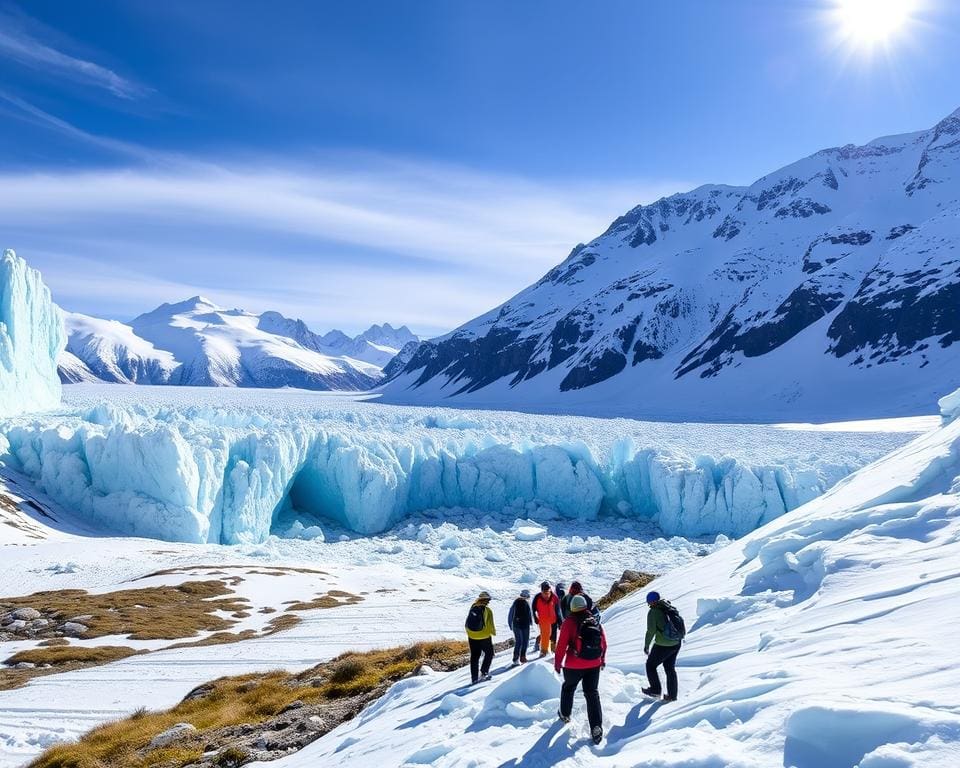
(223, 474)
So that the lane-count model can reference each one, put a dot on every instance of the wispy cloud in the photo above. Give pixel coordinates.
(425, 244)
(24, 110)
(19, 45)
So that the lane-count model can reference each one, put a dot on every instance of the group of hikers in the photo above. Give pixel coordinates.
(570, 627)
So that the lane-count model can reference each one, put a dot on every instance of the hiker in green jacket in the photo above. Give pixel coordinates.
(660, 648)
(480, 631)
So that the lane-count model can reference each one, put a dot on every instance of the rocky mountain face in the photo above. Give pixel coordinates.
(829, 285)
(195, 342)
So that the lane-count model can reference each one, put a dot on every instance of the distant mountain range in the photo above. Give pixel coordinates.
(827, 289)
(195, 342)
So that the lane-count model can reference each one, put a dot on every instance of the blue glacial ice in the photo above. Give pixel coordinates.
(223, 466)
(31, 337)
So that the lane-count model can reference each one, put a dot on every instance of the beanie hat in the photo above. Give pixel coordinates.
(579, 603)
(653, 597)
(576, 587)
(525, 593)
(484, 595)
(559, 585)
(545, 585)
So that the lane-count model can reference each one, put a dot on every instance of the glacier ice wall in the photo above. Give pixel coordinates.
(31, 337)
(221, 474)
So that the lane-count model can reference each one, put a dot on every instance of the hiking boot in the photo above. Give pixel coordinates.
(515, 663)
(668, 698)
(563, 717)
(523, 660)
(484, 678)
(596, 733)
(650, 692)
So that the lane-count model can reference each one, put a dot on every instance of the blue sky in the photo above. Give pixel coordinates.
(416, 162)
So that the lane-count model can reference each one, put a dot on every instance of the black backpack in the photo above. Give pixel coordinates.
(476, 618)
(521, 612)
(589, 645)
(673, 625)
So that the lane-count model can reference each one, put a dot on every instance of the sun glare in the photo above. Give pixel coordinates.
(871, 23)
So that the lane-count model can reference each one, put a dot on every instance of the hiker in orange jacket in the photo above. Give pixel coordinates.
(545, 607)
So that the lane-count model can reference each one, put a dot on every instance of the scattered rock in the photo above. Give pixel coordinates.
(16, 626)
(82, 619)
(291, 706)
(631, 576)
(74, 629)
(26, 614)
(23, 665)
(170, 735)
(37, 624)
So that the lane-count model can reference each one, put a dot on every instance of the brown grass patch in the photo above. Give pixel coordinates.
(50, 661)
(629, 582)
(150, 613)
(247, 699)
(332, 599)
(54, 641)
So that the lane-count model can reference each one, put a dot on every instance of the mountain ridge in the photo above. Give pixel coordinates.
(847, 258)
(196, 342)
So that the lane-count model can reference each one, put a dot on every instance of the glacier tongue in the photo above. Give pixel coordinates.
(213, 471)
(31, 337)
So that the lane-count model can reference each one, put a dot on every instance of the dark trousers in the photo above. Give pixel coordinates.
(666, 655)
(478, 647)
(590, 679)
(521, 641)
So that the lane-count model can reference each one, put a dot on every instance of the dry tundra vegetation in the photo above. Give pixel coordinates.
(169, 612)
(235, 720)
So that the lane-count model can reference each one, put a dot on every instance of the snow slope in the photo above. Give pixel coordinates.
(112, 351)
(825, 290)
(195, 342)
(432, 562)
(31, 337)
(822, 640)
(223, 466)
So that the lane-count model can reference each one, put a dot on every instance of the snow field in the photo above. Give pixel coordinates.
(218, 466)
(822, 640)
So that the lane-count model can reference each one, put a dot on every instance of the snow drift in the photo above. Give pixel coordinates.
(31, 337)
(213, 472)
(821, 640)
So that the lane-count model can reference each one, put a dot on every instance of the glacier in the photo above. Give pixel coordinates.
(221, 466)
(31, 338)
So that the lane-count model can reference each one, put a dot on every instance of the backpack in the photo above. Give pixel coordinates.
(589, 644)
(476, 618)
(673, 626)
(521, 612)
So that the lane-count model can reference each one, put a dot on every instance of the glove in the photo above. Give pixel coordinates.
(603, 665)
(557, 670)
(646, 651)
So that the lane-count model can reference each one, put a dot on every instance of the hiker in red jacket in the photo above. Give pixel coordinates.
(545, 608)
(581, 654)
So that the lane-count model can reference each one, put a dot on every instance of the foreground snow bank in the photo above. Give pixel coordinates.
(31, 337)
(222, 470)
(822, 640)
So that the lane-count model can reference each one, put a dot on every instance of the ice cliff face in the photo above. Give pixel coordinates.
(31, 337)
(828, 288)
(208, 472)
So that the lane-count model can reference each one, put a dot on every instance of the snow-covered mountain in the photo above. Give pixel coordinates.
(195, 342)
(828, 288)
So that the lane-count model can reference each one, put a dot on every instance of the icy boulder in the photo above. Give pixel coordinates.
(949, 406)
(31, 338)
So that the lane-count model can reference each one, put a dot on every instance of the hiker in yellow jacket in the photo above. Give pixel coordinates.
(480, 631)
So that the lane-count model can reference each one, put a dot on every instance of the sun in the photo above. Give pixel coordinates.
(868, 24)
